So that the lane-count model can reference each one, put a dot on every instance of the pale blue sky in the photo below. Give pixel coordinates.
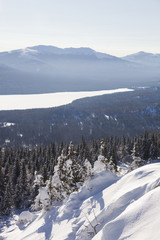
(117, 27)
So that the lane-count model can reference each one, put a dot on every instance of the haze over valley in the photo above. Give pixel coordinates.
(46, 69)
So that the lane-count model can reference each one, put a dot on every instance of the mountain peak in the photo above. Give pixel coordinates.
(64, 51)
(144, 58)
(52, 50)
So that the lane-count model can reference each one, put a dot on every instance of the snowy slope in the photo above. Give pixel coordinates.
(106, 207)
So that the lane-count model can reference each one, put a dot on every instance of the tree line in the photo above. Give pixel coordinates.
(37, 176)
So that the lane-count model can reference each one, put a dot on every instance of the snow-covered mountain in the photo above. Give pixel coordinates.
(51, 50)
(144, 58)
(54, 69)
(38, 56)
(106, 207)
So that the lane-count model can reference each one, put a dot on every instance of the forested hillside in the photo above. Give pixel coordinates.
(38, 176)
(129, 114)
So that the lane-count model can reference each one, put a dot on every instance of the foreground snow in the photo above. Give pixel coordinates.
(19, 102)
(106, 207)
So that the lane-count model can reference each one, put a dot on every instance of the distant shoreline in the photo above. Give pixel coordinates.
(49, 100)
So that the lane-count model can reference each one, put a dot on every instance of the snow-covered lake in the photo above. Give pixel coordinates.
(32, 101)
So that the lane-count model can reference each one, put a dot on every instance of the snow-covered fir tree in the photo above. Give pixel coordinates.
(41, 175)
(102, 162)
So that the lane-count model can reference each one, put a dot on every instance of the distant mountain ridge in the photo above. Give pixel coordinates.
(43, 49)
(49, 49)
(42, 69)
(144, 58)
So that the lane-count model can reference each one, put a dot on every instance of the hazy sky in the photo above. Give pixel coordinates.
(117, 27)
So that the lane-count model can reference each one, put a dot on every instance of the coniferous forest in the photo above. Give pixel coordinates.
(35, 177)
(128, 114)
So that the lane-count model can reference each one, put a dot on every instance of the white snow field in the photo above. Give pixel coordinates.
(32, 101)
(107, 207)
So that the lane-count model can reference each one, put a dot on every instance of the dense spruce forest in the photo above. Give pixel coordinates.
(58, 170)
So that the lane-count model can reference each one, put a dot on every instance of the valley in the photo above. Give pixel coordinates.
(119, 114)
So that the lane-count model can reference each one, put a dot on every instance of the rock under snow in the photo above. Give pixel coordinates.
(25, 217)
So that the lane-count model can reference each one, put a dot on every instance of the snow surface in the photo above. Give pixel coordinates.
(107, 207)
(19, 102)
(106, 116)
(7, 124)
(25, 217)
(42, 198)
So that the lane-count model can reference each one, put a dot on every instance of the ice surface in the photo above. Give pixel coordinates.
(18, 102)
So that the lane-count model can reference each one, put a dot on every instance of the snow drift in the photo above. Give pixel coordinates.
(106, 207)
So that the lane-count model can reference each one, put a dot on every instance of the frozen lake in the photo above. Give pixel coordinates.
(32, 101)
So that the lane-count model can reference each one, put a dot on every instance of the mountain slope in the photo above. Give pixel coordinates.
(53, 69)
(47, 58)
(106, 207)
(149, 59)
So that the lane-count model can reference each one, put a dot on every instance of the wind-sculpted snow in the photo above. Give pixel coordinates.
(90, 189)
(107, 207)
(140, 220)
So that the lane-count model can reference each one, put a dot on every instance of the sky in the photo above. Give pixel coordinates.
(117, 27)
